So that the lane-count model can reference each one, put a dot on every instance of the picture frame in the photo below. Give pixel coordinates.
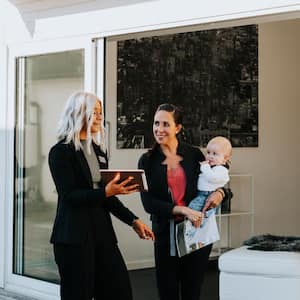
(211, 74)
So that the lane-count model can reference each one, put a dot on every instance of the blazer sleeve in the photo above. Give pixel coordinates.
(63, 174)
(152, 204)
(116, 207)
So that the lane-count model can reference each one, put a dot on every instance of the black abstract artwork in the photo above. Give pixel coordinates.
(212, 75)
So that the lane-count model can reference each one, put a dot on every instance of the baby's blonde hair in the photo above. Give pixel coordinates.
(225, 144)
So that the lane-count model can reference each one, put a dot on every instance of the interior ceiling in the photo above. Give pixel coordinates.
(31, 10)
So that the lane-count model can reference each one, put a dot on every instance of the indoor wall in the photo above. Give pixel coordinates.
(275, 174)
(276, 165)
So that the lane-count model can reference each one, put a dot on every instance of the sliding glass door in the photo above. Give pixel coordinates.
(45, 73)
(44, 83)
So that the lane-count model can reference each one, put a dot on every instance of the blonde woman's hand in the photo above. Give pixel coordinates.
(143, 231)
(114, 187)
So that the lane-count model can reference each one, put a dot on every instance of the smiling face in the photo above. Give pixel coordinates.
(165, 128)
(97, 118)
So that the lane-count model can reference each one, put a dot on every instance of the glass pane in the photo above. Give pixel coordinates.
(44, 83)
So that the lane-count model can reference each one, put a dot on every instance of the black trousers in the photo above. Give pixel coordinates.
(180, 278)
(92, 272)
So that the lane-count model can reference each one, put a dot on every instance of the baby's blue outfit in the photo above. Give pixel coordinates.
(199, 202)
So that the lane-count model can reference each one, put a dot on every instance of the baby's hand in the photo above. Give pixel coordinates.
(204, 162)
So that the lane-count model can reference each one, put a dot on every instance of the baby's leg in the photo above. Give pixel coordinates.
(197, 203)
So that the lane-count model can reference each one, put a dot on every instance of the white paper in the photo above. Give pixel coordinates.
(190, 238)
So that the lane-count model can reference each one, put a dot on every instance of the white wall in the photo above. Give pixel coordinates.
(276, 163)
(2, 163)
(14, 29)
(151, 15)
(2, 145)
(161, 14)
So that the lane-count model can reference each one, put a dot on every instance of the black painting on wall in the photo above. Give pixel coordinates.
(212, 75)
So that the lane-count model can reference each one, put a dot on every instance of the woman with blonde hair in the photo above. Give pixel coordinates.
(89, 261)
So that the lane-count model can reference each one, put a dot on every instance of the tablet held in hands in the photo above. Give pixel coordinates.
(138, 175)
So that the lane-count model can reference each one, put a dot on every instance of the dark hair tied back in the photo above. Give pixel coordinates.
(177, 112)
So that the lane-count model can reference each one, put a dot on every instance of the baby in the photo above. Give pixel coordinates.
(214, 172)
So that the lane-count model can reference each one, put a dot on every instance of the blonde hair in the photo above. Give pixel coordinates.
(79, 112)
(225, 144)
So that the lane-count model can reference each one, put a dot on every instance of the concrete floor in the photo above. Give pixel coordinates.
(144, 285)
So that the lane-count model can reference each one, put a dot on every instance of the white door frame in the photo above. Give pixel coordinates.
(12, 282)
(3, 134)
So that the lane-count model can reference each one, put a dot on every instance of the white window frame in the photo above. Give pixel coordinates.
(3, 134)
(13, 282)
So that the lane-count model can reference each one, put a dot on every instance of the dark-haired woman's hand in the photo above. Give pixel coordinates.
(213, 200)
(193, 215)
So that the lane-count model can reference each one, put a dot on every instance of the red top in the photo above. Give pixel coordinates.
(177, 185)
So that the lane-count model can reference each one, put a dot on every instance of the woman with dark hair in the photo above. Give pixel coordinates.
(89, 261)
(172, 169)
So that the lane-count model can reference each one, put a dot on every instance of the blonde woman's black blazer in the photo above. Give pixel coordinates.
(82, 212)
